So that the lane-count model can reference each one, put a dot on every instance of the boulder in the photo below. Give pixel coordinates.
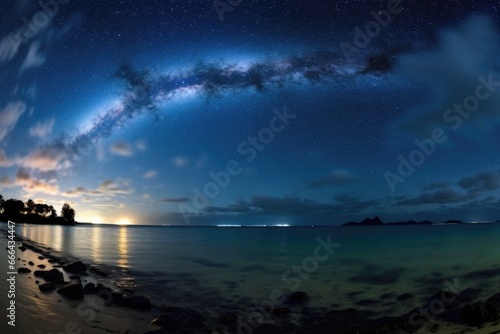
(228, 318)
(279, 311)
(89, 289)
(76, 268)
(46, 287)
(23, 270)
(176, 318)
(298, 297)
(98, 271)
(73, 291)
(478, 313)
(136, 303)
(53, 276)
(41, 266)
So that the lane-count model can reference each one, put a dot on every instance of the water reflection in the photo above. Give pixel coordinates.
(123, 247)
(96, 244)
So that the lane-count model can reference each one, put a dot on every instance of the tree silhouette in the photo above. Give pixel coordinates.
(30, 206)
(68, 213)
(53, 212)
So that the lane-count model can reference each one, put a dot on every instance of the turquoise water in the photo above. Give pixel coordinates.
(368, 269)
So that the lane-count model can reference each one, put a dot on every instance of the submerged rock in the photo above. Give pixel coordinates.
(53, 276)
(228, 318)
(177, 318)
(46, 287)
(478, 313)
(298, 297)
(76, 268)
(73, 291)
(90, 289)
(98, 271)
(136, 303)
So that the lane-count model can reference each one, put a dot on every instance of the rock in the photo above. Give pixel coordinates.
(51, 260)
(46, 287)
(227, 318)
(89, 289)
(22, 248)
(404, 296)
(23, 270)
(298, 297)
(41, 257)
(136, 303)
(98, 271)
(278, 311)
(53, 276)
(41, 266)
(31, 263)
(73, 291)
(117, 298)
(76, 268)
(36, 282)
(478, 313)
(178, 318)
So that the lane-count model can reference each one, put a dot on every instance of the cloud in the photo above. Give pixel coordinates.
(30, 184)
(174, 199)
(436, 185)
(453, 68)
(150, 174)
(141, 145)
(34, 58)
(42, 130)
(122, 149)
(106, 188)
(481, 183)
(444, 196)
(337, 177)
(9, 117)
(288, 206)
(179, 161)
(45, 158)
(9, 46)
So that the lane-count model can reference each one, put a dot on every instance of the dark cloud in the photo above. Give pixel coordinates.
(452, 69)
(174, 199)
(436, 185)
(481, 183)
(267, 205)
(443, 196)
(337, 177)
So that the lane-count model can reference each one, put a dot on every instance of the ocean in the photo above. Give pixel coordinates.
(216, 269)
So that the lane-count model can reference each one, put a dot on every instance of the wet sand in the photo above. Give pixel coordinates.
(49, 312)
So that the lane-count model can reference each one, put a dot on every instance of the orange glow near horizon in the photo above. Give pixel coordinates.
(123, 221)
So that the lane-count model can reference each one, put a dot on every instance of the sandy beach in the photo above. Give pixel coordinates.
(49, 312)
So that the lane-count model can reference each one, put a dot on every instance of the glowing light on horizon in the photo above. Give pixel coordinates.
(123, 221)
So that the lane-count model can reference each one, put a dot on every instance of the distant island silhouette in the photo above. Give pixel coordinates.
(378, 222)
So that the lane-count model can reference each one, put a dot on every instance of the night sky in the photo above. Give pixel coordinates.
(252, 112)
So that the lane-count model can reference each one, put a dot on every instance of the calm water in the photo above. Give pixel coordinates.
(232, 266)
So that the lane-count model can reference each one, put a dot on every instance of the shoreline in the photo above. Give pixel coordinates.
(293, 317)
(51, 312)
